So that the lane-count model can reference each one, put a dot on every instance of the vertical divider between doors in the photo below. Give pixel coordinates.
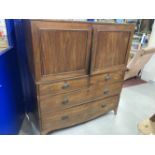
(91, 50)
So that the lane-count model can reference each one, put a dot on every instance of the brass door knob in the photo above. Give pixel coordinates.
(103, 105)
(107, 77)
(66, 85)
(66, 101)
(64, 117)
(106, 92)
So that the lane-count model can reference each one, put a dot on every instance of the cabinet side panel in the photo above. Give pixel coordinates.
(31, 85)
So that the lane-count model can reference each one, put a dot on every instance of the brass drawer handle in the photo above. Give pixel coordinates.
(66, 101)
(103, 105)
(64, 117)
(65, 86)
(107, 77)
(106, 92)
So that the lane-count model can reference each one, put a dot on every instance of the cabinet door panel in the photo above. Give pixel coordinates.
(110, 48)
(64, 49)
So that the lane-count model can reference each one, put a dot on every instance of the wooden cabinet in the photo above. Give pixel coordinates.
(78, 69)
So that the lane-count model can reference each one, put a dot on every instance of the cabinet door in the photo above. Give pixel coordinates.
(61, 49)
(111, 45)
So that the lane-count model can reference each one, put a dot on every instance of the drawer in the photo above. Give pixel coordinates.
(60, 102)
(78, 114)
(107, 77)
(63, 86)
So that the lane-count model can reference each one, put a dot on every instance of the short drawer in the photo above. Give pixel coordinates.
(63, 101)
(107, 77)
(78, 114)
(63, 86)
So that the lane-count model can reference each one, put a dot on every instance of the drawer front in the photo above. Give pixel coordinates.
(78, 114)
(63, 86)
(64, 101)
(107, 77)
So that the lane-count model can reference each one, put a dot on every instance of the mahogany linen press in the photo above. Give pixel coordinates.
(78, 69)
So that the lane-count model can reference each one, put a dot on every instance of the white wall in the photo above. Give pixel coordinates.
(148, 73)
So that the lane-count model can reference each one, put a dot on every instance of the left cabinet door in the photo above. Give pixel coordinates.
(61, 49)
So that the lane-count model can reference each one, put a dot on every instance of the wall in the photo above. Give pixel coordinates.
(148, 72)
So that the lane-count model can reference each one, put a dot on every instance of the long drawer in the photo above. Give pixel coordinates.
(78, 114)
(107, 78)
(78, 83)
(63, 86)
(49, 103)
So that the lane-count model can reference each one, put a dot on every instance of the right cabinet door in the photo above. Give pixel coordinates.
(111, 45)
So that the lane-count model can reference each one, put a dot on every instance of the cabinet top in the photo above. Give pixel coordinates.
(81, 22)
